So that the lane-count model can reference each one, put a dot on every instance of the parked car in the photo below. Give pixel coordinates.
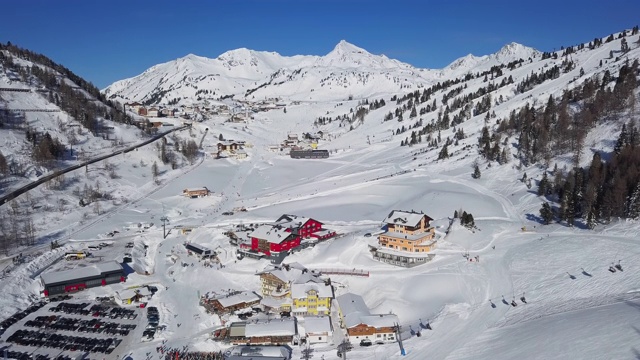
(365, 342)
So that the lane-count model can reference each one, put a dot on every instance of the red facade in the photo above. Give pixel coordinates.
(291, 242)
(297, 233)
(308, 228)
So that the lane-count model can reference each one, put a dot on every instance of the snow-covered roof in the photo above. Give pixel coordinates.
(126, 294)
(317, 324)
(356, 312)
(239, 298)
(285, 272)
(243, 352)
(276, 327)
(405, 218)
(379, 320)
(299, 291)
(197, 248)
(275, 303)
(204, 188)
(292, 221)
(352, 307)
(81, 272)
(273, 234)
(323, 232)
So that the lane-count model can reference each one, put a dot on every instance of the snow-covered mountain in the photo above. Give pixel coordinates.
(508, 53)
(346, 71)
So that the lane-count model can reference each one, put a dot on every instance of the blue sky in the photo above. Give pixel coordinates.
(105, 41)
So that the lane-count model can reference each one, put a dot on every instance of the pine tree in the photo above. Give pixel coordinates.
(154, 171)
(546, 213)
(543, 186)
(444, 153)
(476, 172)
(623, 139)
(633, 203)
(591, 219)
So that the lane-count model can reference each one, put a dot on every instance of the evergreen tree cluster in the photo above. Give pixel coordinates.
(466, 220)
(45, 147)
(602, 191)
(553, 129)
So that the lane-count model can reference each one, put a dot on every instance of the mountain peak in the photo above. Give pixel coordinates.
(345, 47)
(515, 51)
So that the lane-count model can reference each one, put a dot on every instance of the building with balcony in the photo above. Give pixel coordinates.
(407, 241)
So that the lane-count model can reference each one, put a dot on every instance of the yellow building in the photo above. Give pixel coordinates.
(294, 288)
(312, 298)
(408, 232)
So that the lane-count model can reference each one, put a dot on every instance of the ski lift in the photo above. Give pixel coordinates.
(612, 269)
(418, 334)
(492, 304)
(514, 303)
(618, 266)
(523, 299)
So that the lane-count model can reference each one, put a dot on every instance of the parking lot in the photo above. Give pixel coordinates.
(70, 328)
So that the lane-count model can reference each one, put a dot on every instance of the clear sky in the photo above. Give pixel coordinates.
(106, 41)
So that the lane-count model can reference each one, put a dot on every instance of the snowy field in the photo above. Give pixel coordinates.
(587, 317)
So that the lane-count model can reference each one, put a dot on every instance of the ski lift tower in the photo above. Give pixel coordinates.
(164, 220)
(396, 329)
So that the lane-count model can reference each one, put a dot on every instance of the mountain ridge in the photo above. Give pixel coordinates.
(237, 71)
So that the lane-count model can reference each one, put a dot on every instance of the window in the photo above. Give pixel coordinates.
(319, 337)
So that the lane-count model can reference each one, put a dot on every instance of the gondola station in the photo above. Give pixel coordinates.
(80, 278)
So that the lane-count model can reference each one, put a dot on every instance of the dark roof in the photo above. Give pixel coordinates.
(95, 270)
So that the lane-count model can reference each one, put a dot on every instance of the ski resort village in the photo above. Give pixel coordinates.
(261, 206)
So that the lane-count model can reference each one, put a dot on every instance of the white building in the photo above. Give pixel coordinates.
(316, 329)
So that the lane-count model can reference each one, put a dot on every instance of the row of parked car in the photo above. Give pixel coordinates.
(4, 325)
(63, 342)
(112, 312)
(56, 322)
(153, 317)
(70, 308)
(20, 355)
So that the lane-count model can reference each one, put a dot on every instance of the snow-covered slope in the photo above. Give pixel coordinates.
(562, 270)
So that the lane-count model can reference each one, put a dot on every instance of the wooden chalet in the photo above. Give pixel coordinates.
(232, 302)
(196, 193)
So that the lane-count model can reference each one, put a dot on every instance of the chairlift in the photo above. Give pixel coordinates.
(618, 266)
(612, 269)
(523, 299)
(514, 303)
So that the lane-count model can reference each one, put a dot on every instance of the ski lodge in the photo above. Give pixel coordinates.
(199, 251)
(287, 234)
(247, 352)
(264, 332)
(316, 329)
(234, 301)
(196, 193)
(309, 154)
(407, 241)
(360, 324)
(80, 278)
